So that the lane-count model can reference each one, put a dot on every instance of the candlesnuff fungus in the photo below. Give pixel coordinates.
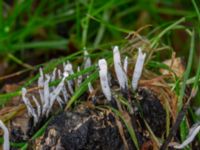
(194, 130)
(103, 73)
(54, 94)
(6, 143)
(88, 63)
(138, 69)
(65, 89)
(31, 111)
(69, 71)
(48, 95)
(125, 66)
(121, 75)
(87, 60)
(80, 78)
(64, 92)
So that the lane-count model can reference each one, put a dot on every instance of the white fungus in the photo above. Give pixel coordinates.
(68, 68)
(121, 75)
(41, 85)
(125, 66)
(138, 69)
(53, 76)
(103, 73)
(69, 71)
(37, 105)
(54, 94)
(31, 111)
(80, 78)
(87, 60)
(6, 143)
(64, 90)
(46, 95)
(192, 133)
(87, 63)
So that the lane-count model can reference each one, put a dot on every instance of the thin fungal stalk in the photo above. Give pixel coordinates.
(103, 73)
(6, 143)
(87, 60)
(87, 63)
(41, 85)
(31, 111)
(55, 93)
(69, 71)
(192, 133)
(125, 66)
(46, 95)
(37, 105)
(121, 75)
(138, 69)
(80, 78)
(64, 90)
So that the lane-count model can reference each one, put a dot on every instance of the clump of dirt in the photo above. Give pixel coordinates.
(153, 111)
(87, 130)
(92, 129)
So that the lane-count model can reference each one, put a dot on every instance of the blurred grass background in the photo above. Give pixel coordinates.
(33, 32)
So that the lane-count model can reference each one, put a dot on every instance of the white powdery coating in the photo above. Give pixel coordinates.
(103, 73)
(192, 133)
(80, 78)
(68, 68)
(6, 144)
(64, 90)
(87, 63)
(87, 60)
(138, 69)
(53, 77)
(41, 85)
(31, 111)
(25, 100)
(46, 95)
(121, 75)
(70, 87)
(125, 66)
(55, 94)
(37, 105)
(65, 94)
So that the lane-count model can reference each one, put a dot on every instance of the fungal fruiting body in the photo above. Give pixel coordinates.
(6, 143)
(121, 75)
(194, 130)
(48, 96)
(138, 69)
(103, 73)
(65, 89)
(125, 66)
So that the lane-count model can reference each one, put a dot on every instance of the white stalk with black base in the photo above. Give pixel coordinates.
(192, 133)
(121, 75)
(103, 73)
(138, 69)
(6, 143)
(125, 66)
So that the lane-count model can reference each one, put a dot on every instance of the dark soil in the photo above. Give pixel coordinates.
(88, 129)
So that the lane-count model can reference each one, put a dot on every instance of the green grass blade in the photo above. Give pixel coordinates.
(128, 126)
